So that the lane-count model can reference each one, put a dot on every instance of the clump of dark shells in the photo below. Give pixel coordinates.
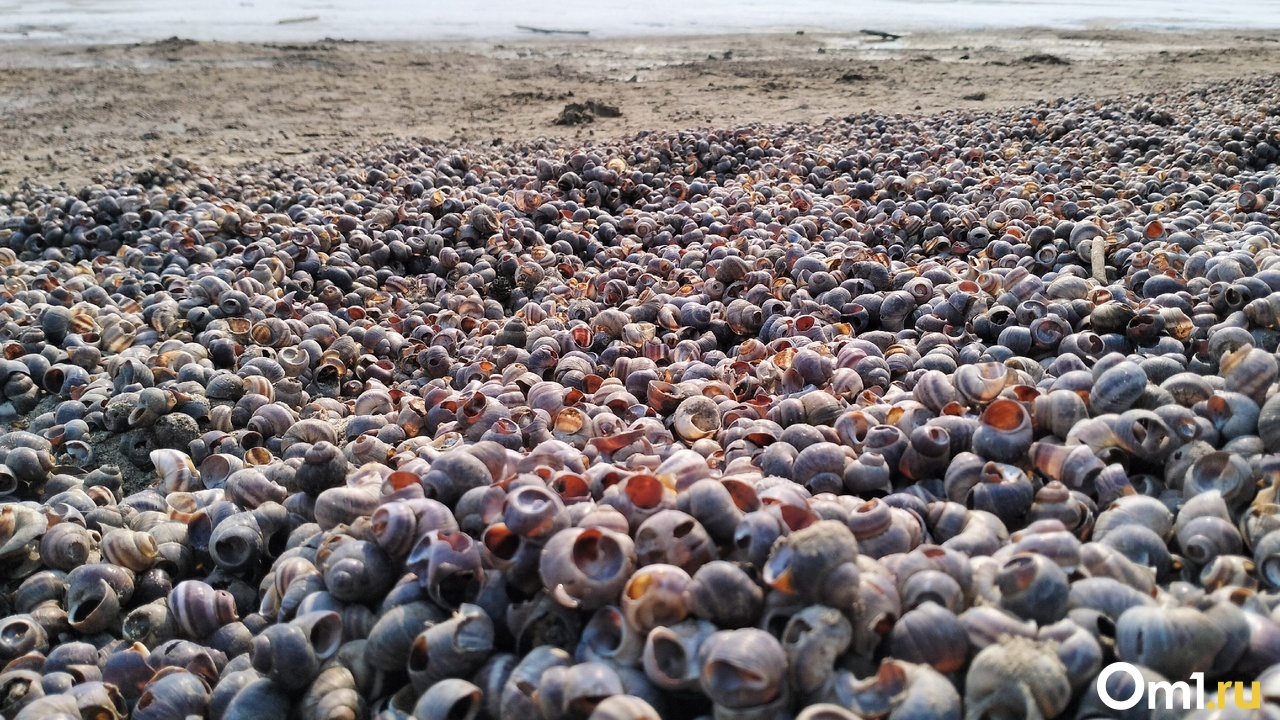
(889, 417)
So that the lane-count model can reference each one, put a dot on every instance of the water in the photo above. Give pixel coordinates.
(110, 21)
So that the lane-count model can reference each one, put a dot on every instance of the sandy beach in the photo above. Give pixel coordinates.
(808, 375)
(69, 114)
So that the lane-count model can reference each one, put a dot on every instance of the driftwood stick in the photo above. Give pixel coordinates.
(551, 31)
(1098, 251)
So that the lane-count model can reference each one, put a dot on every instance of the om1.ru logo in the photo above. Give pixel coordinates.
(1190, 697)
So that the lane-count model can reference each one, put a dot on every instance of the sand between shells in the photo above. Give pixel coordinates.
(922, 417)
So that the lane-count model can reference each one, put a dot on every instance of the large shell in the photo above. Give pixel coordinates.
(587, 567)
(932, 635)
(817, 563)
(696, 417)
(131, 549)
(19, 525)
(176, 471)
(448, 566)
(1033, 587)
(982, 382)
(1117, 388)
(357, 571)
(670, 655)
(67, 545)
(392, 636)
(742, 668)
(1249, 371)
(674, 538)
(1223, 472)
(199, 610)
(451, 699)
(1004, 431)
(1017, 677)
(173, 692)
(656, 595)
(454, 648)
(1174, 642)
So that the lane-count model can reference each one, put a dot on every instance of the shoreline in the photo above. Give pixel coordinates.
(70, 113)
(872, 36)
(511, 20)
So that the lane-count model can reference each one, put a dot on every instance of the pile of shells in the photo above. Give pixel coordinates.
(899, 418)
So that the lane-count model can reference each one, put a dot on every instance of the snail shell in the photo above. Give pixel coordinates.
(199, 610)
(696, 417)
(674, 538)
(257, 698)
(393, 634)
(1249, 371)
(725, 594)
(817, 563)
(454, 648)
(900, 688)
(19, 525)
(448, 565)
(357, 571)
(67, 545)
(1004, 431)
(608, 638)
(175, 470)
(20, 634)
(587, 567)
(1017, 676)
(742, 668)
(450, 699)
(150, 624)
(670, 655)
(131, 549)
(1174, 642)
(1076, 467)
(1033, 587)
(656, 595)
(813, 638)
(624, 707)
(981, 383)
(932, 635)
(172, 692)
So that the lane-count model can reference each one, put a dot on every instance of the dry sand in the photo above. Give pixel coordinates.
(69, 114)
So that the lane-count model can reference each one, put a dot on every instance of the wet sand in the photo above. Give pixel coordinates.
(70, 114)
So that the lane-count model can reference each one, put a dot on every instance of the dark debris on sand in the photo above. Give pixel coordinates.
(586, 112)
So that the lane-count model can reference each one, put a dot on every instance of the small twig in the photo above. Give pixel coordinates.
(295, 20)
(1098, 251)
(550, 31)
(881, 34)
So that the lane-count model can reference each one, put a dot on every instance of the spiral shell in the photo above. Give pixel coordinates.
(587, 567)
(199, 610)
(742, 668)
(982, 382)
(1004, 431)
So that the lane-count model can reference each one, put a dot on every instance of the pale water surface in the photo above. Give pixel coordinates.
(305, 20)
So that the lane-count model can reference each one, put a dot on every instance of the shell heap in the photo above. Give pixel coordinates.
(922, 417)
